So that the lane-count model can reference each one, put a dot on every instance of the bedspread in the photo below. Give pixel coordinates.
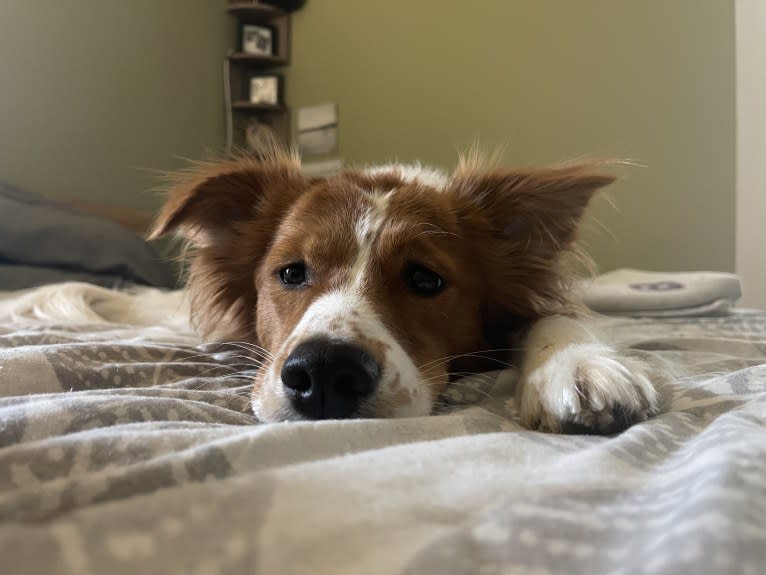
(126, 450)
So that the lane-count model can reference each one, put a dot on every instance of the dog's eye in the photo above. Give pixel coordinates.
(294, 274)
(422, 281)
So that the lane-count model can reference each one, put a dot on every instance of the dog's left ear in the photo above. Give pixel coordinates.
(523, 222)
(542, 207)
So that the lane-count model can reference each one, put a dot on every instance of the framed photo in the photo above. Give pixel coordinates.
(264, 90)
(257, 40)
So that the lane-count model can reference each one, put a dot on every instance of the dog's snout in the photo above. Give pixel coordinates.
(326, 379)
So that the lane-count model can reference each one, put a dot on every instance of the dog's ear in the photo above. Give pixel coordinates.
(523, 222)
(210, 198)
(228, 212)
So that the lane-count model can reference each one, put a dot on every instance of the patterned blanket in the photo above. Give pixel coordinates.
(126, 450)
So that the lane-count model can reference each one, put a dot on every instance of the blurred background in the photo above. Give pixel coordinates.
(97, 96)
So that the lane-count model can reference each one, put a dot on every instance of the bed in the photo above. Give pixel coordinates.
(128, 449)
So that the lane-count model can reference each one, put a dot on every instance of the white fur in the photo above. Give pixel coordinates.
(331, 316)
(414, 173)
(367, 229)
(569, 376)
(78, 303)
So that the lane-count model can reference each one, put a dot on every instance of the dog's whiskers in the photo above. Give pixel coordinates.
(261, 351)
(477, 354)
(247, 360)
(209, 381)
(190, 358)
(459, 374)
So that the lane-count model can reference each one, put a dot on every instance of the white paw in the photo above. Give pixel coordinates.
(585, 387)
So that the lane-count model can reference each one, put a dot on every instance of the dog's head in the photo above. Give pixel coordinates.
(363, 290)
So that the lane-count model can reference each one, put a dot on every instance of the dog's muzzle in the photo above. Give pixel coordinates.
(327, 379)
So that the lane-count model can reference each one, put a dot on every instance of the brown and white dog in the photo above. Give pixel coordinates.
(365, 291)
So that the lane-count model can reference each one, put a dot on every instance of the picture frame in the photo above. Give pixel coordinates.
(264, 90)
(257, 40)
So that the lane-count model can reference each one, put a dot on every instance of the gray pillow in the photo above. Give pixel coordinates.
(43, 239)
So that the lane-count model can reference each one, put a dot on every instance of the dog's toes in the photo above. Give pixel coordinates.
(587, 388)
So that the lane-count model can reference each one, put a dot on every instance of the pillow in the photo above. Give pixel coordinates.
(49, 239)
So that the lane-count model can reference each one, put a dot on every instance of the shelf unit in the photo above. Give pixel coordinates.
(241, 67)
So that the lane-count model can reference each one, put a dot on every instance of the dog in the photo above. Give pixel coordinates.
(363, 292)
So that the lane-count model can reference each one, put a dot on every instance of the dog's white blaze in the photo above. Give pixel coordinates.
(367, 229)
(342, 315)
(413, 173)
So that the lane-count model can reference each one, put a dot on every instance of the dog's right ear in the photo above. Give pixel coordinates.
(207, 201)
(228, 212)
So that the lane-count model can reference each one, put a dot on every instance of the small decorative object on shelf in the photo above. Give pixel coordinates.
(257, 40)
(264, 90)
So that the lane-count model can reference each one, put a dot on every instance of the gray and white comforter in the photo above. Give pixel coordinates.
(126, 450)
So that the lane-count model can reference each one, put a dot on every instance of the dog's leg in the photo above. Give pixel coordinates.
(571, 381)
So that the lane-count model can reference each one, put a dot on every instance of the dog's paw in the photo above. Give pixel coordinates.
(585, 388)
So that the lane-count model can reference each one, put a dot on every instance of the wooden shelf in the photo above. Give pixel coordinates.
(245, 105)
(243, 66)
(246, 58)
(256, 9)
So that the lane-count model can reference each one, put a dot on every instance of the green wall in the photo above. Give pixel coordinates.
(96, 93)
(651, 80)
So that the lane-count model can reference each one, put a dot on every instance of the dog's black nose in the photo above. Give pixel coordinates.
(326, 379)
